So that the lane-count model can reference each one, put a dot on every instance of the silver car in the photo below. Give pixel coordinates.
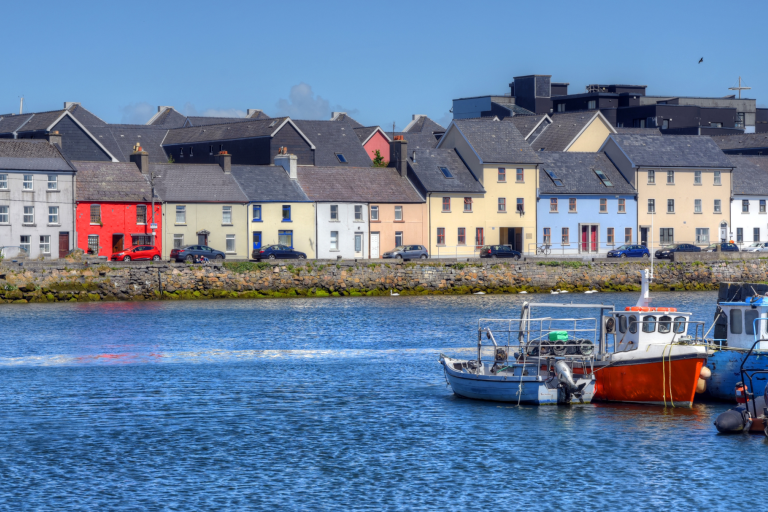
(756, 247)
(408, 252)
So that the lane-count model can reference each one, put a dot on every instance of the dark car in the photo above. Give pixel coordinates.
(407, 252)
(499, 251)
(629, 251)
(191, 253)
(137, 252)
(277, 252)
(722, 247)
(668, 251)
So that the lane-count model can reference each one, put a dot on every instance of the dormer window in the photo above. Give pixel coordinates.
(341, 158)
(446, 172)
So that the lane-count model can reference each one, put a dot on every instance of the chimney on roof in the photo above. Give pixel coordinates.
(140, 158)
(287, 162)
(334, 115)
(70, 104)
(161, 108)
(224, 159)
(398, 155)
(54, 137)
(253, 112)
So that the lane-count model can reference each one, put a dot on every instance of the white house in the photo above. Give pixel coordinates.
(342, 230)
(749, 214)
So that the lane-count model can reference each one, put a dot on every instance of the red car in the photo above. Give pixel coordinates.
(137, 252)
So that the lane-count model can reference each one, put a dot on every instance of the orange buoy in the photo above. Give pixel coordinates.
(643, 308)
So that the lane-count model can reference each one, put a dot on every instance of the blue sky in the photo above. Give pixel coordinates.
(378, 61)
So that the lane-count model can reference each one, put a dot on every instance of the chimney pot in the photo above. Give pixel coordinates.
(141, 159)
(224, 159)
(288, 162)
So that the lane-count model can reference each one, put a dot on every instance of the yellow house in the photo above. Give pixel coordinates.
(683, 187)
(583, 132)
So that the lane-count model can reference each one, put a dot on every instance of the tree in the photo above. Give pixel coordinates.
(378, 160)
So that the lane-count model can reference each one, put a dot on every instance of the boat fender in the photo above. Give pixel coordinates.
(733, 421)
(705, 373)
(741, 391)
(701, 386)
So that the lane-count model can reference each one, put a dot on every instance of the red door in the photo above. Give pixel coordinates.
(593, 238)
(479, 238)
(63, 244)
(584, 246)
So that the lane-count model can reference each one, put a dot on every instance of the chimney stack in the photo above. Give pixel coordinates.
(140, 158)
(160, 108)
(334, 115)
(224, 159)
(398, 155)
(253, 112)
(54, 138)
(70, 104)
(288, 162)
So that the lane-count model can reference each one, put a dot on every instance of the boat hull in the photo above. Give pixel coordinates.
(725, 366)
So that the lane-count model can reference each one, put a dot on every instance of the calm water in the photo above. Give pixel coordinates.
(326, 404)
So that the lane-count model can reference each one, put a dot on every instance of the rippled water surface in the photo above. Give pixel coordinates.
(326, 404)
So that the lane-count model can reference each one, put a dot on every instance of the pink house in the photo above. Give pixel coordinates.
(371, 137)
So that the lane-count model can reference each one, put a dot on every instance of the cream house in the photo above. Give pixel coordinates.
(577, 132)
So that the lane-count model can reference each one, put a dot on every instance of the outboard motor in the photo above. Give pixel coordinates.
(565, 378)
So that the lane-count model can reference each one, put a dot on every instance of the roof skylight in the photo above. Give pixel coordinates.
(557, 181)
(603, 178)
(341, 158)
(446, 172)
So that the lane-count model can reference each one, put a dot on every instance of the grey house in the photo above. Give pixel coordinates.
(37, 199)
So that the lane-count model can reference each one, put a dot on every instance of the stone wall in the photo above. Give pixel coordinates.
(82, 282)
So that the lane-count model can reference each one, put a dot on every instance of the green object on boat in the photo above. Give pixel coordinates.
(558, 336)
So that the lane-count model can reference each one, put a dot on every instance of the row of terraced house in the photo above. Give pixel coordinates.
(570, 181)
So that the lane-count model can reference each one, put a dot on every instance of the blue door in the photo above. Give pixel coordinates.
(257, 239)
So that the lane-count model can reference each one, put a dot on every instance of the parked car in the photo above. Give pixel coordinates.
(192, 252)
(668, 251)
(757, 247)
(722, 247)
(629, 251)
(407, 252)
(137, 252)
(277, 252)
(499, 251)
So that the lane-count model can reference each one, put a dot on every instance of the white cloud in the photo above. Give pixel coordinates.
(303, 104)
(137, 113)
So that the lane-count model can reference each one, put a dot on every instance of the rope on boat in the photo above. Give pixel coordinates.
(664, 378)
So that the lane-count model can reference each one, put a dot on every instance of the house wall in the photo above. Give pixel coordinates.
(346, 226)
(510, 190)
(377, 141)
(749, 221)
(75, 143)
(414, 226)
(302, 224)
(207, 216)
(116, 218)
(592, 138)
(453, 220)
(587, 212)
(40, 198)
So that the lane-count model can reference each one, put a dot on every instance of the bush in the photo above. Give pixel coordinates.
(241, 267)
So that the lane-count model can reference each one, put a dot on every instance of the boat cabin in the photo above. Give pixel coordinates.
(638, 327)
(739, 321)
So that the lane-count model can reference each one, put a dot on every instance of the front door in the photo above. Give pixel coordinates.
(63, 244)
(518, 245)
(257, 239)
(723, 232)
(358, 245)
(374, 245)
(588, 241)
(117, 243)
(644, 237)
(202, 239)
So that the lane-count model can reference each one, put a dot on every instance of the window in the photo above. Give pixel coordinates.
(702, 236)
(557, 181)
(358, 213)
(29, 215)
(334, 212)
(141, 214)
(670, 177)
(341, 158)
(561, 107)
(285, 237)
(53, 215)
(502, 204)
(604, 178)
(718, 181)
(28, 182)
(603, 205)
(4, 217)
(53, 183)
(141, 240)
(398, 213)
(762, 206)
(440, 236)
(622, 206)
(462, 236)
(566, 236)
(717, 206)
(374, 213)
(649, 323)
(670, 206)
(467, 204)
(667, 235)
(226, 215)
(95, 214)
(358, 242)
(665, 324)
(697, 177)
(178, 241)
(334, 240)
(479, 237)
(547, 236)
(572, 205)
(755, 234)
(715, 125)
(651, 177)
(610, 236)
(553, 204)
(750, 315)
(398, 238)
(665, 124)
(445, 172)
(744, 206)
(502, 174)
(287, 212)
(25, 243)
(520, 175)
(93, 244)
(520, 205)
(3, 182)
(632, 324)
(181, 214)
(256, 217)
(627, 235)
(735, 321)
(739, 235)
(591, 105)
(739, 120)
(622, 324)
(45, 244)
(446, 204)
(651, 206)
(679, 325)
(230, 243)
(697, 206)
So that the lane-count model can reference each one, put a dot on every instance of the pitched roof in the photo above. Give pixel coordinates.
(332, 137)
(119, 140)
(201, 183)
(750, 176)
(671, 151)
(513, 109)
(86, 117)
(423, 124)
(167, 118)
(526, 124)
(742, 141)
(577, 173)
(363, 184)
(621, 130)
(420, 140)
(32, 155)
(9, 123)
(426, 168)
(257, 114)
(496, 141)
(366, 132)
(204, 121)
(267, 183)
(40, 121)
(344, 117)
(111, 181)
(563, 129)
(227, 131)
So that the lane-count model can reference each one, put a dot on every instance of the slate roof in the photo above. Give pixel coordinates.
(168, 118)
(671, 151)
(420, 140)
(742, 141)
(561, 131)
(9, 123)
(331, 137)
(345, 117)
(111, 181)
(40, 121)
(525, 123)
(750, 176)
(199, 183)
(247, 129)
(32, 155)
(267, 183)
(365, 132)
(357, 184)
(258, 115)
(86, 117)
(120, 138)
(423, 125)
(514, 110)
(637, 131)
(497, 142)
(577, 172)
(204, 121)
(426, 169)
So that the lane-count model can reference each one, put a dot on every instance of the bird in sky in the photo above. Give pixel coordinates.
(701, 60)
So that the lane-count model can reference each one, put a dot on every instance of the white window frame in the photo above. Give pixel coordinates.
(358, 213)
(25, 243)
(29, 215)
(53, 215)
(5, 214)
(28, 184)
(398, 213)
(181, 211)
(334, 211)
(228, 239)
(718, 178)
(45, 244)
(745, 206)
(697, 177)
(138, 207)
(96, 238)
(178, 241)
(53, 179)
(652, 206)
(374, 213)
(226, 215)
(334, 242)
(670, 177)
(702, 236)
(718, 206)
(697, 206)
(3, 182)
(651, 177)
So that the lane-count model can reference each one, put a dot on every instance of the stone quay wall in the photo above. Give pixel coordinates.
(98, 281)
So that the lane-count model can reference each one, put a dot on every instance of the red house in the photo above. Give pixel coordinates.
(373, 138)
(114, 207)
